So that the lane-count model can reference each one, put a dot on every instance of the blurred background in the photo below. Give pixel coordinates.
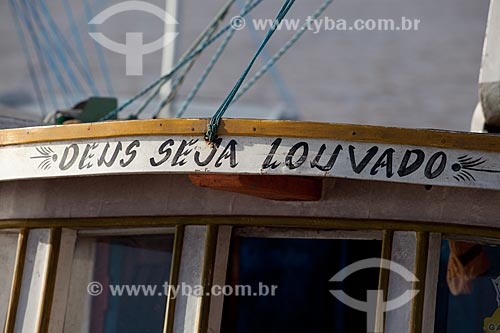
(426, 78)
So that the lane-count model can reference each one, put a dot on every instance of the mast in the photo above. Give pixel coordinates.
(489, 77)
(168, 60)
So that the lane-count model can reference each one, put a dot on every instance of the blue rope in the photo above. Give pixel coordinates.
(61, 44)
(52, 43)
(143, 107)
(39, 54)
(210, 136)
(273, 72)
(205, 35)
(29, 59)
(207, 70)
(75, 33)
(100, 54)
(282, 51)
(178, 66)
(43, 59)
(53, 64)
(204, 75)
(168, 98)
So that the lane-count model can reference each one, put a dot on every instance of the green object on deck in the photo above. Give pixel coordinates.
(88, 111)
(97, 107)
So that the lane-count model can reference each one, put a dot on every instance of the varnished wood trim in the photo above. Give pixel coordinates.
(123, 232)
(234, 127)
(282, 188)
(207, 276)
(307, 233)
(420, 271)
(168, 326)
(50, 279)
(17, 279)
(267, 221)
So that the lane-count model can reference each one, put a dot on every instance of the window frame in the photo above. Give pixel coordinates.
(216, 242)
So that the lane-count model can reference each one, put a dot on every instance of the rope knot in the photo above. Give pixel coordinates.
(211, 134)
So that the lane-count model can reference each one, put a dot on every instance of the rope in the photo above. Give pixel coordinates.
(204, 36)
(175, 88)
(178, 66)
(29, 59)
(210, 136)
(55, 55)
(277, 79)
(3, 116)
(42, 59)
(208, 69)
(75, 33)
(282, 51)
(100, 54)
(219, 18)
(67, 50)
(53, 44)
(177, 83)
(205, 74)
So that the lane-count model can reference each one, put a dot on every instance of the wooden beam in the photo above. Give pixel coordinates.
(283, 188)
(252, 128)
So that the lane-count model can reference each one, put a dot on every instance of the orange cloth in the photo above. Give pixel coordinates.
(466, 262)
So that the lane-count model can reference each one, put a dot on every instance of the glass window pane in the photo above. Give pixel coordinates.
(7, 261)
(132, 272)
(301, 269)
(468, 297)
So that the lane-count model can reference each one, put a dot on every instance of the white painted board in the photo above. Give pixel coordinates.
(253, 155)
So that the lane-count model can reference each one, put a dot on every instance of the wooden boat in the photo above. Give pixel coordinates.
(142, 226)
(406, 189)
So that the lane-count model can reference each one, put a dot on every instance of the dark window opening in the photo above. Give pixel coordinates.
(302, 269)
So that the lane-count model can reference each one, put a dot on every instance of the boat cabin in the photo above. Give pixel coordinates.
(143, 226)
